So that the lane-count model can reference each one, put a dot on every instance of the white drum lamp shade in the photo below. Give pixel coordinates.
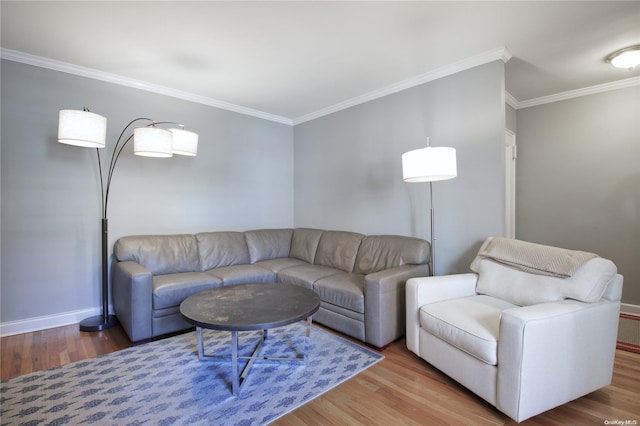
(429, 164)
(82, 128)
(184, 142)
(152, 142)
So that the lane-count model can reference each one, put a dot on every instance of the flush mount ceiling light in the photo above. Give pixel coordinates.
(628, 57)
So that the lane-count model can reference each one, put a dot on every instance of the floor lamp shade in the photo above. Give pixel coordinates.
(152, 142)
(184, 142)
(429, 164)
(82, 128)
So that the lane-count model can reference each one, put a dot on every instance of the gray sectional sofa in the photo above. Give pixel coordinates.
(360, 279)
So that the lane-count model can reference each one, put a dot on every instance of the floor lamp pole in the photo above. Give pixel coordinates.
(103, 321)
(433, 232)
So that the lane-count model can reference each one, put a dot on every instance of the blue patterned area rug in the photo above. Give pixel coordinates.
(164, 382)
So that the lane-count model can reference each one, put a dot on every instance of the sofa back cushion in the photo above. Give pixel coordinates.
(304, 243)
(265, 244)
(379, 252)
(338, 249)
(160, 254)
(225, 248)
(587, 284)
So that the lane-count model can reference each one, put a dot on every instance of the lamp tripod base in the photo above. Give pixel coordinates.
(98, 323)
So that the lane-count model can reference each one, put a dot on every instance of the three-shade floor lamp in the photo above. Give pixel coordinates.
(89, 130)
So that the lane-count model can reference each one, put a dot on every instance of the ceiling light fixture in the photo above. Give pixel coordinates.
(629, 57)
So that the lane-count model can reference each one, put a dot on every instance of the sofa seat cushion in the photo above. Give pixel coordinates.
(277, 265)
(471, 324)
(239, 274)
(345, 289)
(171, 289)
(305, 275)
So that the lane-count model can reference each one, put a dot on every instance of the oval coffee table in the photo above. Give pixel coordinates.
(243, 307)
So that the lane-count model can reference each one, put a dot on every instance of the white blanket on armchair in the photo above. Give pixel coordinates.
(533, 258)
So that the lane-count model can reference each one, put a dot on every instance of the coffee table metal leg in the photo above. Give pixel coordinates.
(200, 343)
(234, 363)
(307, 340)
(237, 380)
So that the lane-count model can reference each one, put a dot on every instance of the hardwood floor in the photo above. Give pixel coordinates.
(402, 389)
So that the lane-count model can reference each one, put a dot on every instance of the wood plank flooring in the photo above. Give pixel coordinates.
(400, 390)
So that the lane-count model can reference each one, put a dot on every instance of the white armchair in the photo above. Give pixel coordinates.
(532, 328)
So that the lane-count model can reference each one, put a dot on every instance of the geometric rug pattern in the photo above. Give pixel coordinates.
(164, 383)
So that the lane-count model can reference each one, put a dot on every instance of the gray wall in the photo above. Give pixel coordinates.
(578, 178)
(511, 119)
(348, 171)
(241, 179)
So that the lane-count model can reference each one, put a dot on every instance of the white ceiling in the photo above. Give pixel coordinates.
(298, 59)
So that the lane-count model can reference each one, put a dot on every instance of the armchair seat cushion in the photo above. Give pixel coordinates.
(471, 324)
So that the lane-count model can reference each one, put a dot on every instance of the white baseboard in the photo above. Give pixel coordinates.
(627, 308)
(42, 323)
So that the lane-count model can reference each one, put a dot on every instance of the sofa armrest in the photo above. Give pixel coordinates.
(384, 295)
(425, 290)
(132, 290)
(559, 338)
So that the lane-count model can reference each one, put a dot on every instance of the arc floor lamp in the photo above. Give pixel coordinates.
(430, 164)
(87, 129)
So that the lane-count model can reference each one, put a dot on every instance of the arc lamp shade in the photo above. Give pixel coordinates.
(184, 142)
(429, 164)
(152, 142)
(82, 128)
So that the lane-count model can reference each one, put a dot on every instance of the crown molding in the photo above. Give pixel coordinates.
(52, 64)
(592, 90)
(501, 53)
(511, 100)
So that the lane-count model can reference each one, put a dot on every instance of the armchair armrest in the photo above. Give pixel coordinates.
(425, 290)
(384, 295)
(132, 290)
(559, 339)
